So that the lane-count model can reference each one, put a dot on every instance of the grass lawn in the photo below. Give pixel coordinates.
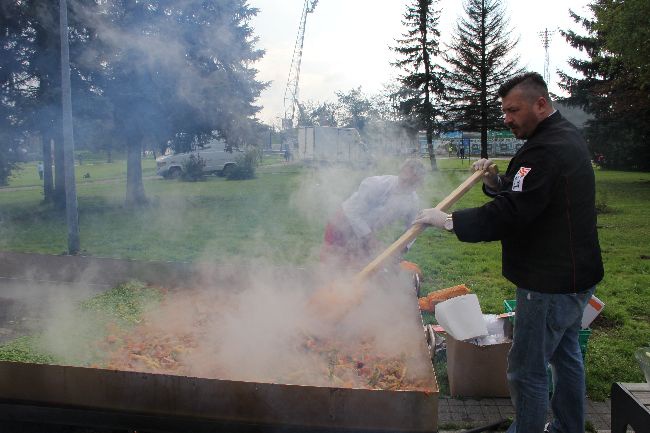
(280, 216)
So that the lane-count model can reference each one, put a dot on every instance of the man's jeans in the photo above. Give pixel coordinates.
(546, 330)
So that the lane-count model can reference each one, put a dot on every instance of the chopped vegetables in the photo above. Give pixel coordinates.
(137, 327)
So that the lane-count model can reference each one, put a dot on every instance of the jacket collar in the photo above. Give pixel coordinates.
(550, 120)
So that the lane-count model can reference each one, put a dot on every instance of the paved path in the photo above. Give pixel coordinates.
(454, 414)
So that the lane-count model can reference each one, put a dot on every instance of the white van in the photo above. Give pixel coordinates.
(217, 161)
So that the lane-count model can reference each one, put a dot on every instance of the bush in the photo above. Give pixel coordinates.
(246, 165)
(193, 168)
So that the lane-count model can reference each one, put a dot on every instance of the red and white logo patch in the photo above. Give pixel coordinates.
(518, 182)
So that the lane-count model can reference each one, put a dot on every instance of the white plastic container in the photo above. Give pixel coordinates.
(462, 317)
(592, 310)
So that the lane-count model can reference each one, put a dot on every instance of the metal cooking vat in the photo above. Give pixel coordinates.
(91, 396)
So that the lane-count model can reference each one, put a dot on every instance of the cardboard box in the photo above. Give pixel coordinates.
(478, 371)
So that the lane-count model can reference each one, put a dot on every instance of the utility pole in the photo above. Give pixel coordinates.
(546, 36)
(72, 216)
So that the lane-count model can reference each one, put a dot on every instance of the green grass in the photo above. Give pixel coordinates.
(184, 221)
(221, 220)
(95, 168)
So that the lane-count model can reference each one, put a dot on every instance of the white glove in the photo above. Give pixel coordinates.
(490, 178)
(432, 217)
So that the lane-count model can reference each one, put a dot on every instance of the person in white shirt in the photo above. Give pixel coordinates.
(378, 202)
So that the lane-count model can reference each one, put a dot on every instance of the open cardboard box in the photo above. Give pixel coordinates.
(478, 371)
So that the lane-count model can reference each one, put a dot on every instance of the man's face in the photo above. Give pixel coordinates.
(409, 179)
(520, 114)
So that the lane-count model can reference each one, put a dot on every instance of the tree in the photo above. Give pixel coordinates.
(354, 109)
(32, 43)
(612, 91)
(14, 73)
(45, 71)
(142, 72)
(390, 131)
(174, 69)
(385, 103)
(325, 114)
(625, 35)
(480, 59)
(422, 85)
(317, 114)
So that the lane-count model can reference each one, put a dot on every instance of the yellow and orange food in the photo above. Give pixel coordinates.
(429, 302)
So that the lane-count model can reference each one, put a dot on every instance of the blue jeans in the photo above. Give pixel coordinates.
(546, 331)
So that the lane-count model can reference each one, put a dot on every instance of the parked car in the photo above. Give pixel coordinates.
(217, 161)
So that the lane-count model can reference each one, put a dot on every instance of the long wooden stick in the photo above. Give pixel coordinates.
(416, 229)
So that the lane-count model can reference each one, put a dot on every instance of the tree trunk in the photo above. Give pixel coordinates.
(72, 215)
(432, 155)
(484, 152)
(428, 111)
(59, 166)
(484, 73)
(135, 194)
(48, 181)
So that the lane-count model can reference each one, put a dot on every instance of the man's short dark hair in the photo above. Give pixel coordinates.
(531, 81)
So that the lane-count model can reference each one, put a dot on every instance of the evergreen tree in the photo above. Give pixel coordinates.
(422, 85)
(142, 72)
(626, 29)
(32, 80)
(612, 90)
(480, 59)
(174, 71)
(15, 49)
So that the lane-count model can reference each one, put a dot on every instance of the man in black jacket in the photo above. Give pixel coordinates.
(543, 212)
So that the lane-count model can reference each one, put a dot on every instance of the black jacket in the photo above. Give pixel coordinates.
(544, 213)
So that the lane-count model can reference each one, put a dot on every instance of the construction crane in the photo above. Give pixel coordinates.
(291, 91)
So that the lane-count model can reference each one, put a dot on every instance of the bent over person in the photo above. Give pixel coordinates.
(543, 212)
(378, 202)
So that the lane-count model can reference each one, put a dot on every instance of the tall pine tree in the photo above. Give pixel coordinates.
(422, 85)
(611, 88)
(174, 69)
(480, 59)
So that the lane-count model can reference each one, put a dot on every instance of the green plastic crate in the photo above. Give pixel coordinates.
(583, 335)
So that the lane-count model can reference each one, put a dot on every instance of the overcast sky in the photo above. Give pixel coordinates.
(347, 43)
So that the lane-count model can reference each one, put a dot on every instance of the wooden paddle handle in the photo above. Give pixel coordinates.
(416, 229)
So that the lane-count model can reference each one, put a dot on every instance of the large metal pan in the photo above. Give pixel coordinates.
(157, 402)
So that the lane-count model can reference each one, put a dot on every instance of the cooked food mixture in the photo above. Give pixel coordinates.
(168, 342)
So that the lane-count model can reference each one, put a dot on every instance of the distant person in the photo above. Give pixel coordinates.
(40, 170)
(462, 152)
(350, 235)
(600, 160)
(543, 211)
